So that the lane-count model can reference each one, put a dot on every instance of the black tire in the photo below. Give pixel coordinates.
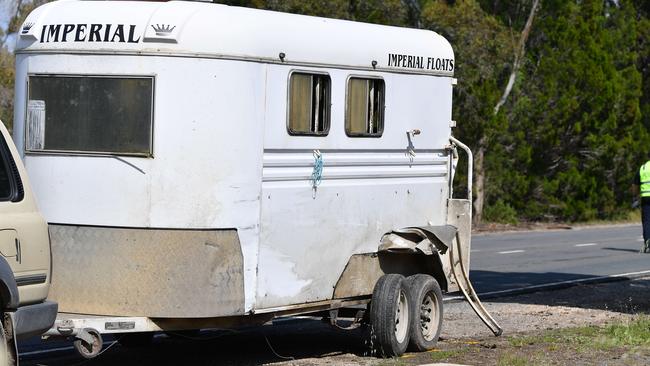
(390, 316)
(425, 298)
(134, 340)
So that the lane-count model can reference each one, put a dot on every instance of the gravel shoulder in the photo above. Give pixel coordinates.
(466, 340)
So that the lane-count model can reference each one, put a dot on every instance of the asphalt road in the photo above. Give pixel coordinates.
(519, 260)
(499, 262)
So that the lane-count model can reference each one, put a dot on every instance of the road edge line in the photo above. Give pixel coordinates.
(555, 285)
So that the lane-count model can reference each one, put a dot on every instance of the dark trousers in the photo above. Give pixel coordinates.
(645, 217)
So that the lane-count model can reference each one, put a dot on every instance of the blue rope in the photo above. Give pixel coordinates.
(317, 173)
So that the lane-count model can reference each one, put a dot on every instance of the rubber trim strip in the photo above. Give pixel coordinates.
(30, 280)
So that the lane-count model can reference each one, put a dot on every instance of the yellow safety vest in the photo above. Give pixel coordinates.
(644, 174)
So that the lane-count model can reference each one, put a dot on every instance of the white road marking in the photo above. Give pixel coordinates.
(640, 239)
(512, 251)
(474, 250)
(105, 347)
(552, 284)
(586, 245)
(49, 350)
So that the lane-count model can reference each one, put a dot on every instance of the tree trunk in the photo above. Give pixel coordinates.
(479, 162)
(519, 55)
(479, 180)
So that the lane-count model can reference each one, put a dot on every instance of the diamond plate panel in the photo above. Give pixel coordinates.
(147, 272)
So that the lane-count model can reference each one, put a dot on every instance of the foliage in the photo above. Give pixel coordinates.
(445, 355)
(6, 87)
(575, 119)
(501, 212)
(568, 141)
(20, 10)
(509, 359)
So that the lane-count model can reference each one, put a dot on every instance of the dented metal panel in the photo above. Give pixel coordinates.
(147, 272)
(423, 239)
(459, 215)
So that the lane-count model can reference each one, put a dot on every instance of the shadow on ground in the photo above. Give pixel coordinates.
(625, 295)
(295, 339)
(311, 341)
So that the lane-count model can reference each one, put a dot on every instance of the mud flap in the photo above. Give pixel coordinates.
(459, 215)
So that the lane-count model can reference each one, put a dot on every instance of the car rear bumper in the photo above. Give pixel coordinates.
(36, 319)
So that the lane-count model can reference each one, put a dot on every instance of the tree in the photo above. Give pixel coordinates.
(19, 9)
(576, 113)
(483, 47)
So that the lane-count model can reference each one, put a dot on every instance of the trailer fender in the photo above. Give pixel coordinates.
(8, 287)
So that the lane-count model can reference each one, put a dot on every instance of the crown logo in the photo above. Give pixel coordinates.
(27, 27)
(163, 29)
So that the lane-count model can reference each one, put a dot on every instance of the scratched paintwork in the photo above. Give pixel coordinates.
(369, 186)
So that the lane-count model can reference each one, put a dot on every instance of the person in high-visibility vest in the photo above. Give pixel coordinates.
(643, 181)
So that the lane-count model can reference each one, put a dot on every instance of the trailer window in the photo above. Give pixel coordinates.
(90, 114)
(365, 107)
(309, 104)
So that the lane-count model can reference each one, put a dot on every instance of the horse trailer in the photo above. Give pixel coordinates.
(203, 165)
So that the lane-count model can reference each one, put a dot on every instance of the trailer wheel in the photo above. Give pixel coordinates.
(86, 348)
(390, 316)
(7, 347)
(426, 309)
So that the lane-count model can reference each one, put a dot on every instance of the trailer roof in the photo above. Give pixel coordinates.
(220, 31)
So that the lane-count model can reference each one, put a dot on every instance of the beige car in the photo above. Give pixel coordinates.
(25, 263)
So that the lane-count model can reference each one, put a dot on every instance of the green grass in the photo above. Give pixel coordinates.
(635, 333)
(509, 359)
(561, 346)
(437, 355)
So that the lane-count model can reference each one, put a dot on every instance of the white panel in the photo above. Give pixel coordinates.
(306, 242)
(206, 169)
(214, 30)
(369, 186)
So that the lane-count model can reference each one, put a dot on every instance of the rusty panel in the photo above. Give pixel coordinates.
(363, 271)
(359, 276)
(147, 272)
